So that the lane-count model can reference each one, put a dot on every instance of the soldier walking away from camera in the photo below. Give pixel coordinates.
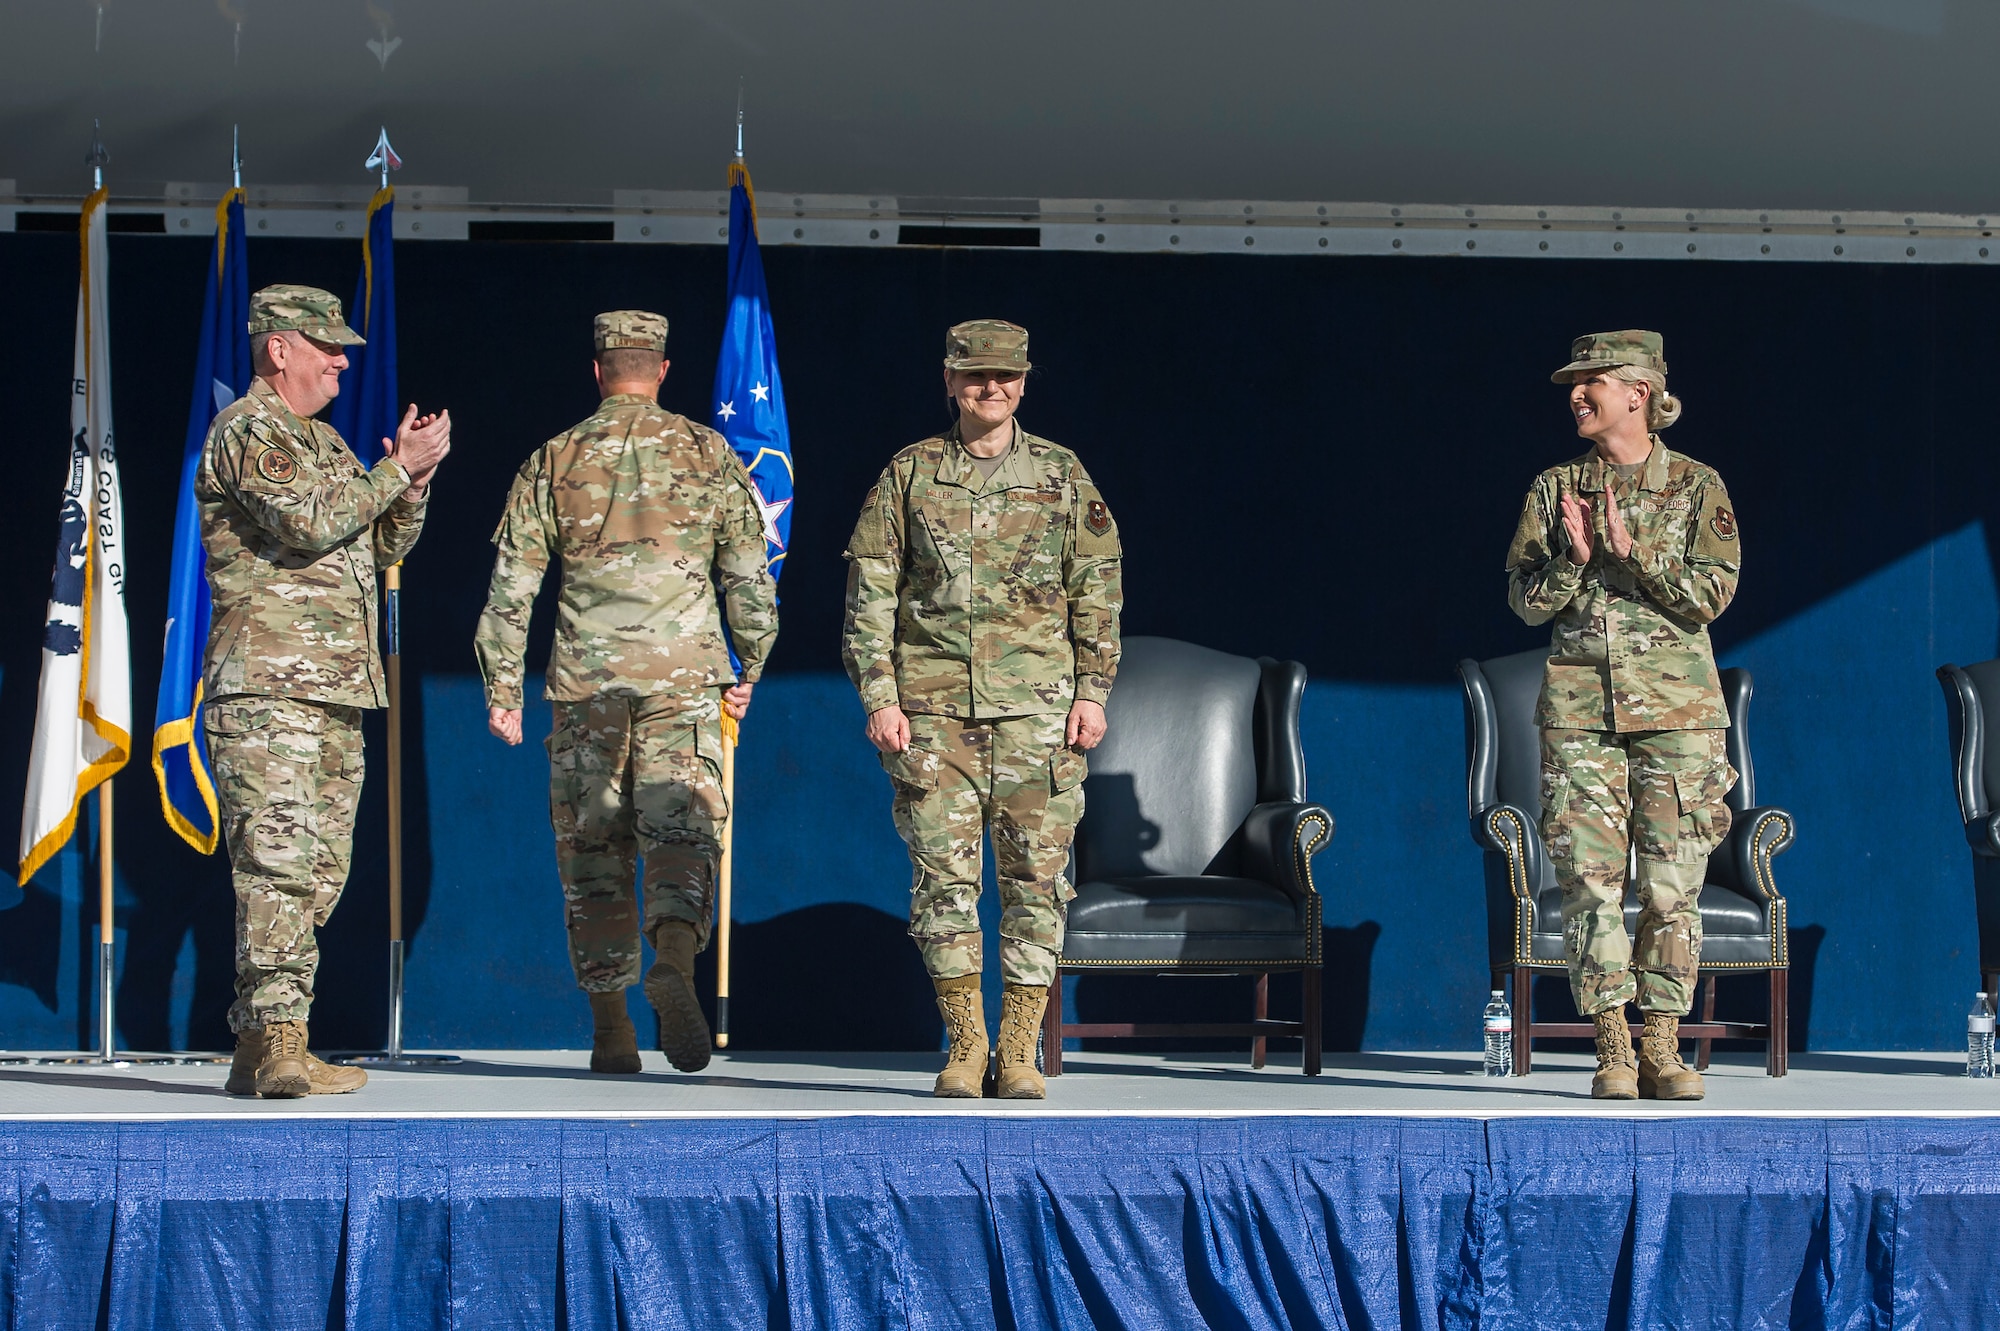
(1630, 551)
(983, 592)
(651, 516)
(294, 530)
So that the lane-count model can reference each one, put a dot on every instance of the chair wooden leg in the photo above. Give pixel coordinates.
(1524, 1016)
(1052, 1030)
(1309, 988)
(1776, 1059)
(1987, 980)
(1707, 1014)
(1260, 1010)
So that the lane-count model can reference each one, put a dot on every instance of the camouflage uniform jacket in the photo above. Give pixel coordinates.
(294, 530)
(650, 514)
(974, 596)
(1630, 645)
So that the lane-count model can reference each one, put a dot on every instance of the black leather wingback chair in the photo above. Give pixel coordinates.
(1742, 915)
(1195, 850)
(1972, 704)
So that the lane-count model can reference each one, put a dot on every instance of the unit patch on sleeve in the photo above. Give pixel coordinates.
(1097, 517)
(1723, 524)
(277, 466)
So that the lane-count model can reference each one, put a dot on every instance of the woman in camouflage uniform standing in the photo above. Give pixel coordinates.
(1631, 551)
(983, 592)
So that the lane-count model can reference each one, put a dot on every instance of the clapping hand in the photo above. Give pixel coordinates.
(421, 443)
(1576, 521)
(1614, 524)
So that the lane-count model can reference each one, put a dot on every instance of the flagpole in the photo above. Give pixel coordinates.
(392, 582)
(384, 158)
(106, 989)
(107, 1021)
(730, 730)
(722, 900)
(107, 996)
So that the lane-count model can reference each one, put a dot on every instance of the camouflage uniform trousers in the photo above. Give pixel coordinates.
(958, 778)
(634, 779)
(287, 782)
(1602, 792)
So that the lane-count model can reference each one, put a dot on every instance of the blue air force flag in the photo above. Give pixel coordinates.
(221, 375)
(749, 398)
(366, 412)
(83, 718)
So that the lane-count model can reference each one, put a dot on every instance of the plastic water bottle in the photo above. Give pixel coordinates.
(1498, 1019)
(1979, 1039)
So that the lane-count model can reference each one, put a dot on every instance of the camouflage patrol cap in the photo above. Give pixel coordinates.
(639, 329)
(1605, 351)
(987, 344)
(305, 310)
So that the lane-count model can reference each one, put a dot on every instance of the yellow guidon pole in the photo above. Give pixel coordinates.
(729, 734)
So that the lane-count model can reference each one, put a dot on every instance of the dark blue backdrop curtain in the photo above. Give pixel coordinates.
(1023, 1222)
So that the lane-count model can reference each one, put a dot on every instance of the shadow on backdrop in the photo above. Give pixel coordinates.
(1174, 998)
(835, 977)
(1737, 998)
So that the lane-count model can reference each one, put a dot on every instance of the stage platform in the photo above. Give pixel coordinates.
(518, 1189)
(516, 1083)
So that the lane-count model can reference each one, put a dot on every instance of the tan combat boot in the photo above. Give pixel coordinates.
(1021, 1007)
(281, 1069)
(670, 989)
(329, 1078)
(243, 1067)
(964, 1075)
(1662, 1075)
(614, 1045)
(1617, 1075)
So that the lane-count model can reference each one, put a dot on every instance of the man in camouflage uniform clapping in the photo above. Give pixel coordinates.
(1631, 551)
(650, 515)
(294, 531)
(983, 594)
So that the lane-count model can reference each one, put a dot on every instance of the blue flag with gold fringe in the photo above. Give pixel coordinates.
(221, 375)
(366, 412)
(749, 397)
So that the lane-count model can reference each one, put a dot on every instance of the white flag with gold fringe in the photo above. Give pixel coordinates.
(83, 721)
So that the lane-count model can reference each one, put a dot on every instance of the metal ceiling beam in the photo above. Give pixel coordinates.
(1246, 227)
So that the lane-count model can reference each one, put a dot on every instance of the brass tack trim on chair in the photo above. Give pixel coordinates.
(1303, 853)
(1517, 875)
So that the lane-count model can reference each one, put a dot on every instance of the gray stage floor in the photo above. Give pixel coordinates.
(557, 1083)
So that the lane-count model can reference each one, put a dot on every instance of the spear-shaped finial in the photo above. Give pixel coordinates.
(236, 156)
(739, 119)
(384, 156)
(97, 159)
(100, 27)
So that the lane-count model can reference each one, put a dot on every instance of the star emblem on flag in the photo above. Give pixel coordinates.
(727, 411)
(770, 512)
(762, 392)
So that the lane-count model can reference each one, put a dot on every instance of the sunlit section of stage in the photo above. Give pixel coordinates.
(557, 1083)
